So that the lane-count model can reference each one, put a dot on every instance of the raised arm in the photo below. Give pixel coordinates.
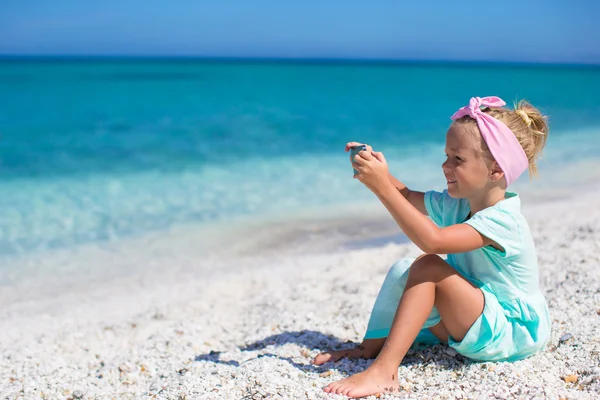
(424, 233)
(373, 172)
(417, 199)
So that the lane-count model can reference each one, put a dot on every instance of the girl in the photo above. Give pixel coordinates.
(484, 298)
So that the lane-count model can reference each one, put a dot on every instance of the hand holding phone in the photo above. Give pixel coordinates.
(354, 150)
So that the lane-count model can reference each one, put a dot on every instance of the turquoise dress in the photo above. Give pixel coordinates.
(515, 322)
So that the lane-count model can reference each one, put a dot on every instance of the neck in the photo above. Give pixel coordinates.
(487, 199)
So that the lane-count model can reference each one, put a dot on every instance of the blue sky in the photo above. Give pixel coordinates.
(530, 31)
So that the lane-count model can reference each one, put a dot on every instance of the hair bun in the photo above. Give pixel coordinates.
(524, 117)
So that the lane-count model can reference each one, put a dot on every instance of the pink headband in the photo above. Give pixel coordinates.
(502, 143)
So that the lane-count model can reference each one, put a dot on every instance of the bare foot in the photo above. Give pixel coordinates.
(369, 348)
(373, 380)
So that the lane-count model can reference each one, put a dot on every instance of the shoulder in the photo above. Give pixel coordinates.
(503, 223)
(444, 209)
(506, 212)
(443, 200)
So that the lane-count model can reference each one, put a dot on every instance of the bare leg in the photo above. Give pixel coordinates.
(431, 281)
(440, 332)
(369, 348)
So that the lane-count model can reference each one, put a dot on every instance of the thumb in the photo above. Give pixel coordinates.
(349, 145)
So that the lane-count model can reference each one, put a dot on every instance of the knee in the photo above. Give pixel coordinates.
(428, 266)
(427, 261)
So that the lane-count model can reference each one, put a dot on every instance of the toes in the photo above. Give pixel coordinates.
(333, 356)
(321, 359)
(337, 388)
(345, 391)
(327, 356)
(353, 393)
(345, 388)
(336, 355)
(331, 387)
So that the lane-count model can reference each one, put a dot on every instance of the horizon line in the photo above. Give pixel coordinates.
(291, 60)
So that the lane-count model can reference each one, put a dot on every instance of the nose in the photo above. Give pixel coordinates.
(446, 167)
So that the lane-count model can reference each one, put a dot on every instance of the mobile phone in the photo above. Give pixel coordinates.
(354, 150)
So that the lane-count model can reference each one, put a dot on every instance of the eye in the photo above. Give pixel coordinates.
(458, 158)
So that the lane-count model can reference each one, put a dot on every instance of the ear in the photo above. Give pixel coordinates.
(496, 173)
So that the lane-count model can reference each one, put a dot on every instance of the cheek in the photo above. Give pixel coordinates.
(469, 174)
(479, 175)
(483, 170)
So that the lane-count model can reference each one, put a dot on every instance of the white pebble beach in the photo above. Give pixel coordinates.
(192, 326)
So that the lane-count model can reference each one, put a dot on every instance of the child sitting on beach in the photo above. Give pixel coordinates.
(484, 299)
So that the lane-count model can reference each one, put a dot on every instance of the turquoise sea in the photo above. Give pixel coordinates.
(98, 150)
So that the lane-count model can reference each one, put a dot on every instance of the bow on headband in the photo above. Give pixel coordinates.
(503, 144)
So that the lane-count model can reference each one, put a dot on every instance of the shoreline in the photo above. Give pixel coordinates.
(316, 231)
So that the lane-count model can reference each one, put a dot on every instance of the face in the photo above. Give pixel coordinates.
(467, 174)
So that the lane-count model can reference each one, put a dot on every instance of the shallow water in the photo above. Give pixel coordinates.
(98, 152)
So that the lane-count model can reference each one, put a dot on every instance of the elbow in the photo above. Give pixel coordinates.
(432, 245)
(430, 249)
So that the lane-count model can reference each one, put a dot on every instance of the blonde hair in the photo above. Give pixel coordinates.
(526, 122)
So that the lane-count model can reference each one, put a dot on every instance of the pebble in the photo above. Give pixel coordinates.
(77, 395)
(565, 337)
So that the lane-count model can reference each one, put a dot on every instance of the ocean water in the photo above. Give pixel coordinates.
(101, 150)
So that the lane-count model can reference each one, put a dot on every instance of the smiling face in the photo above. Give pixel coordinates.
(468, 173)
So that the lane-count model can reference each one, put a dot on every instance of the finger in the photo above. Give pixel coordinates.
(379, 156)
(349, 145)
(361, 169)
(365, 155)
